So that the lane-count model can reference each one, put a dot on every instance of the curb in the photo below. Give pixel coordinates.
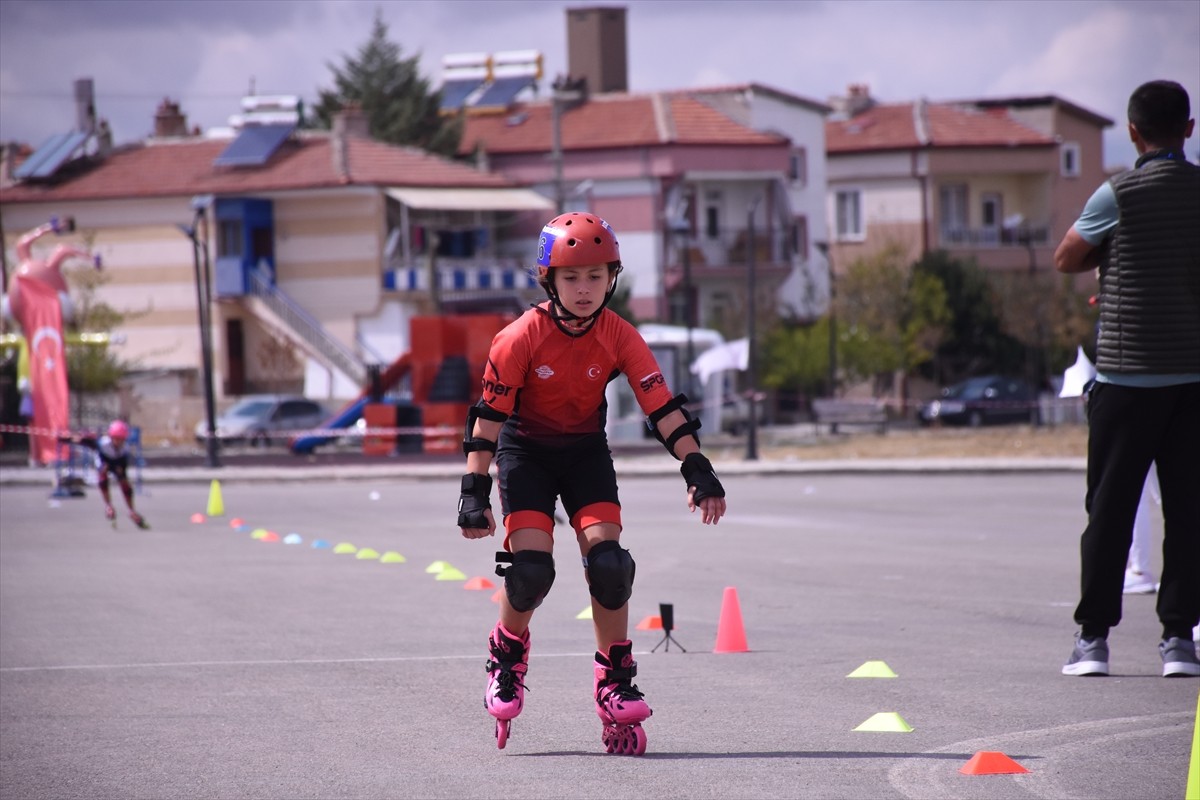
(656, 466)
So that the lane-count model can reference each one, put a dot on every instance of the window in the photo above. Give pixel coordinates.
(800, 236)
(991, 211)
(229, 237)
(953, 201)
(798, 166)
(1070, 159)
(712, 215)
(849, 214)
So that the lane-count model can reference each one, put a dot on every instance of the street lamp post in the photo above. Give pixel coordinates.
(752, 350)
(198, 233)
(823, 247)
(681, 230)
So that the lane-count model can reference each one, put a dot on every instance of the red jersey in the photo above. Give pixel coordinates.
(553, 384)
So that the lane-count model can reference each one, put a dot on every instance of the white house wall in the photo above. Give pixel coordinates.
(149, 266)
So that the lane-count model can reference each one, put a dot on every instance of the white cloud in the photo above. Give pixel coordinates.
(204, 53)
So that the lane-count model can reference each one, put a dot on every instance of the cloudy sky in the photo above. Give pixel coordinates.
(207, 54)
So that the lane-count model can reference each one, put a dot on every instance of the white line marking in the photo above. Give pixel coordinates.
(272, 662)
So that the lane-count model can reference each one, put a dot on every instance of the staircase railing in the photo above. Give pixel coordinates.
(307, 327)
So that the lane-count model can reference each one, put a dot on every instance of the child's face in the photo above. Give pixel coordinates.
(582, 289)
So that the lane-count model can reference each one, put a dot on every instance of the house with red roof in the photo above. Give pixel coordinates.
(998, 180)
(319, 247)
(682, 176)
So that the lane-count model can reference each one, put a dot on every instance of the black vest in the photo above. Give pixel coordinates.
(1150, 277)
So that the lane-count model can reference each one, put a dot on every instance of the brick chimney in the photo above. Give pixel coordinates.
(169, 120)
(596, 48)
(348, 123)
(857, 100)
(351, 121)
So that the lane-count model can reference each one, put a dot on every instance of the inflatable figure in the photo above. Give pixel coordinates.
(38, 300)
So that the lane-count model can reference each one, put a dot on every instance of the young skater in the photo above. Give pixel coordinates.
(542, 414)
(112, 456)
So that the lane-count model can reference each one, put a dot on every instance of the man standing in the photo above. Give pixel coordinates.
(1142, 230)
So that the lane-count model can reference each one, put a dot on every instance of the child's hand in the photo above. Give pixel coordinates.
(711, 508)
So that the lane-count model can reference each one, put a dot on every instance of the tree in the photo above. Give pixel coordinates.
(892, 319)
(975, 341)
(797, 358)
(397, 101)
(92, 366)
(1048, 315)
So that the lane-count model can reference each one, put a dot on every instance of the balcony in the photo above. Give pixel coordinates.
(732, 248)
(957, 238)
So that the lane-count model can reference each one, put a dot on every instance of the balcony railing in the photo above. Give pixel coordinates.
(733, 247)
(995, 237)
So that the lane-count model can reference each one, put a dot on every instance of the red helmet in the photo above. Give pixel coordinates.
(577, 239)
(118, 430)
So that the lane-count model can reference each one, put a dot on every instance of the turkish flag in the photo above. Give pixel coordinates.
(42, 323)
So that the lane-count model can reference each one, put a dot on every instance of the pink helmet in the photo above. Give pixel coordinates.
(577, 239)
(118, 430)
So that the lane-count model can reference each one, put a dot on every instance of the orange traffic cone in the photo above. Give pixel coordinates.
(653, 623)
(478, 584)
(990, 762)
(731, 635)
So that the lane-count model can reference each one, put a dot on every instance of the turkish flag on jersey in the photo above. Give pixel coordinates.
(42, 324)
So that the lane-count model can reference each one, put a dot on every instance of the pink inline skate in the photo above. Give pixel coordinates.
(619, 704)
(505, 695)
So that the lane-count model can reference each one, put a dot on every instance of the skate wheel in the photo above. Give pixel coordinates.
(637, 740)
(502, 733)
(624, 740)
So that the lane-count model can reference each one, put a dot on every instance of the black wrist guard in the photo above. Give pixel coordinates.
(474, 499)
(698, 471)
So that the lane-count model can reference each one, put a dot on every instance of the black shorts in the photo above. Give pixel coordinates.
(534, 476)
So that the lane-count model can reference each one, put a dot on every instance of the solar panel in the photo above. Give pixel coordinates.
(503, 91)
(455, 93)
(53, 153)
(254, 146)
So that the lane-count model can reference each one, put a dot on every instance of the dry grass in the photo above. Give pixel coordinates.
(1005, 441)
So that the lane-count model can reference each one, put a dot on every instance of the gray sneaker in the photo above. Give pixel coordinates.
(1179, 657)
(1090, 657)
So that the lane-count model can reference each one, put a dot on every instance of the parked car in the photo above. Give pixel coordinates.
(983, 400)
(260, 418)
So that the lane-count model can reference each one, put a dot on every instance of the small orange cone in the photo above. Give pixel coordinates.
(731, 634)
(197, 518)
(991, 762)
(498, 594)
(650, 624)
(477, 583)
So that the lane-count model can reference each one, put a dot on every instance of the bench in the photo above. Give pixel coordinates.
(833, 411)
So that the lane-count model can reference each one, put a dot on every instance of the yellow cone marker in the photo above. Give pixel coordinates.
(450, 574)
(1193, 782)
(873, 669)
(392, 557)
(886, 722)
(585, 614)
(345, 547)
(258, 533)
(366, 554)
(436, 567)
(216, 506)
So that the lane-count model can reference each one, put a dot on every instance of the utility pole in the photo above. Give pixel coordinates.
(564, 94)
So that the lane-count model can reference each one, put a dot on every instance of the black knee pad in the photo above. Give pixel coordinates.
(610, 571)
(528, 579)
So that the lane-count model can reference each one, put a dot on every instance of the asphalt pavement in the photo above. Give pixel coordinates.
(217, 660)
